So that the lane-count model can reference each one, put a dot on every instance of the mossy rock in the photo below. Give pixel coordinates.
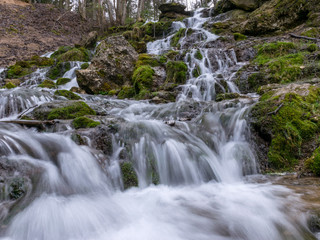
(47, 84)
(62, 81)
(177, 36)
(239, 37)
(156, 29)
(287, 118)
(61, 50)
(84, 65)
(151, 60)
(126, 92)
(84, 122)
(142, 78)
(22, 68)
(67, 94)
(10, 85)
(129, 176)
(74, 110)
(313, 163)
(176, 72)
(58, 70)
(198, 55)
(74, 54)
(226, 96)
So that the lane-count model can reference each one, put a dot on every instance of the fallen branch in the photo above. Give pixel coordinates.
(303, 37)
(275, 111)
(27, 110)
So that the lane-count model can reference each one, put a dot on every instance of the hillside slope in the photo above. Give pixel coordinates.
(27, 30)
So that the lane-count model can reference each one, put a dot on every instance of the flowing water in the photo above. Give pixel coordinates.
(193, 160)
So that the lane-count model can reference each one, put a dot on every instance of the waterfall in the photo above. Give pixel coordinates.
(196, 169)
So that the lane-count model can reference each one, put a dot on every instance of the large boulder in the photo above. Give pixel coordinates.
(111, 67)
(246, 5)
(89, 41)
(173, 11)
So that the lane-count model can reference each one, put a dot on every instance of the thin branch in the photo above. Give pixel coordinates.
(275, 111)
(303, 37)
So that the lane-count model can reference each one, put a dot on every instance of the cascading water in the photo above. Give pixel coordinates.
(195, 150)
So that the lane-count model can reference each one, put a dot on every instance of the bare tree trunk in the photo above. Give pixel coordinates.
(110, 11)
(140, 8)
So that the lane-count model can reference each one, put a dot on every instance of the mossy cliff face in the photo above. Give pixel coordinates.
(280, 62)
(111, 67)
(287, 117)
(268, 17)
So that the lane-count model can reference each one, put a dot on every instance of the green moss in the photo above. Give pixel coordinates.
(313, 163)
(198, 55)
(129, 176)
(226, 96)
(62, 81)
(58, 70)
(290, 127)
(147, 59)
(10, 85)
(74, 54)
(172, 55)
(84, 122)
(142, 78)
(196, 72)
(67, 94)
(313, 33)
(239, 37)
(176, 72)
(176, 38)
(17, 71)
(41, 61)
(156, 29)
(84, 65)
(47, 84)
(61, 50)
(312, 47)
(126, 92)
(76, 109)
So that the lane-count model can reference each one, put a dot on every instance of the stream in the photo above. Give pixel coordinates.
(197, 169)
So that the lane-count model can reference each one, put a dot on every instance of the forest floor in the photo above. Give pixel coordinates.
(27, 30)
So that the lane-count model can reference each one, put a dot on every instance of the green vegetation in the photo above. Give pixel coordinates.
(74, 54)
(283, 62)
(129, 176)
(67, 94)
(47, 84)
(84, 122)
(176, 38)
(287, 121)
(62, 81)
(147, 59)
(239, 37)
(58, 70)
(226, 96)
(176, 72)
(10, 85)
(74, 110)
(198, 55)
(126, 92)
(142, 80)
(313, 163)
(84, 65)
(22, 68)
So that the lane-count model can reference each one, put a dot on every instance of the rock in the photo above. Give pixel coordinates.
(173, 11)
(172, 7)
(247, 5)
(111, 67)
(89, 41)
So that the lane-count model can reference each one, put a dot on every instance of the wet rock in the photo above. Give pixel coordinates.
(111, 67)
(89, 41)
